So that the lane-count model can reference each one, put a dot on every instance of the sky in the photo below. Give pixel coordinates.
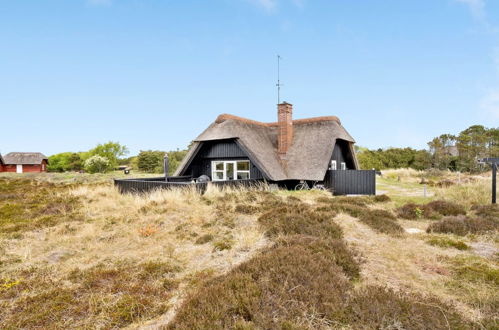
(153, 74)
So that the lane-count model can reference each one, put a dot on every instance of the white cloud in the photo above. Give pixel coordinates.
(99, 2)
(271, 5)
(268, 5)
(477, 8)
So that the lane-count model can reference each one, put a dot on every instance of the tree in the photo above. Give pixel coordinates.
(441, 150)
(110, 150)
(97, 164)
(151, 161)
(59, 162)
(75, 163)
(472, 144)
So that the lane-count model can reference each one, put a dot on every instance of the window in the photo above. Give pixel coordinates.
(218, 170)
(343, 166)
(333, 165)
(230, 170)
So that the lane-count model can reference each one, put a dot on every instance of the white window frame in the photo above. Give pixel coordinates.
(334, 165)
(224, 171)
(343, 166)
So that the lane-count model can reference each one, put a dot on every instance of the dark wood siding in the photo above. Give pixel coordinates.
(357, 182)
(341, 153)
(218, 150)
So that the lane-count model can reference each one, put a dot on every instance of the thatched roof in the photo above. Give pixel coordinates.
(307, 158)
(24, 158)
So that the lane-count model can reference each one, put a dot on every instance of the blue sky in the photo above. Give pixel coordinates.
(152, 74)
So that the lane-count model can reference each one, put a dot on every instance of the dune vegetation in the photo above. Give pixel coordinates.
(76, 253)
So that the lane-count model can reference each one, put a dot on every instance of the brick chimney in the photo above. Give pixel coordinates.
(285, 127)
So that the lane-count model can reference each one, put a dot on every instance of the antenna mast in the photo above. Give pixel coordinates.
(278, 80)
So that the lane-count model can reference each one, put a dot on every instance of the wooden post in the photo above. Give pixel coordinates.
(494, 180)
(165, 160)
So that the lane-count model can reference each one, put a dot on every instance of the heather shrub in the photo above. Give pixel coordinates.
(381, 198)
(490, 211)
(381, 221)
(295, 286)
(445, 208)
(300, 219)
(276, 289)
(112, 296)
(335, 250)
(463, 225)
(375, 307)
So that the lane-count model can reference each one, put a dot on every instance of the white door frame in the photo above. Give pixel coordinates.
(19, 168)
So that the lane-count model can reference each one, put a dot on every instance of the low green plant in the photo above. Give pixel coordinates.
(223, 244)
(203, 239)
(447, 242)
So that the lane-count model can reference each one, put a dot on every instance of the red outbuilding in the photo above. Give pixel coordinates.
(24, 162)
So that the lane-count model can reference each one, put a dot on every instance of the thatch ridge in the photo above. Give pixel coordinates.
(24, 158)
(307, 158)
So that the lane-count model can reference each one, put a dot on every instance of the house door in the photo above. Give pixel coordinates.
(19, 168)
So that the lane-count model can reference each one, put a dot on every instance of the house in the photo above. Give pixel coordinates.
(2, 163)
(285, 152)
(23, 162)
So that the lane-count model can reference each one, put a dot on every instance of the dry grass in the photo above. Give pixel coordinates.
(467, 194)
(161, 227)
(84, 255)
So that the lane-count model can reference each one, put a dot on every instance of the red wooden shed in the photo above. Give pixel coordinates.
(24, 162)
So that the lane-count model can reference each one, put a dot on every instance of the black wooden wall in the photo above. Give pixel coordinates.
(341, 153)
(218, 150)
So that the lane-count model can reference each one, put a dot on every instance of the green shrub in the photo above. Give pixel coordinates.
(97, 164)
(447, 242)
(475, 270)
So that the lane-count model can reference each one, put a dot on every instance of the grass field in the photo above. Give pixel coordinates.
(76, 253)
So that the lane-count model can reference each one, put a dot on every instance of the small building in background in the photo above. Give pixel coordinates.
(2, 163)
(24, 162)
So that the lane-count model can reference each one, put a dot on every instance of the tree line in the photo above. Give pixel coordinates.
(110, 155)
(447, 151)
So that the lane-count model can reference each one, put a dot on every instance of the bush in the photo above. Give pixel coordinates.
(300, 284)
(447, 242)
(204, 239)
(381, 198)
(273, 290)
(300, 219)
(432, 210)
(445, 208)
(97, 164)
(376, 307)
(463, 225)
(382, 221)
(336, 250)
